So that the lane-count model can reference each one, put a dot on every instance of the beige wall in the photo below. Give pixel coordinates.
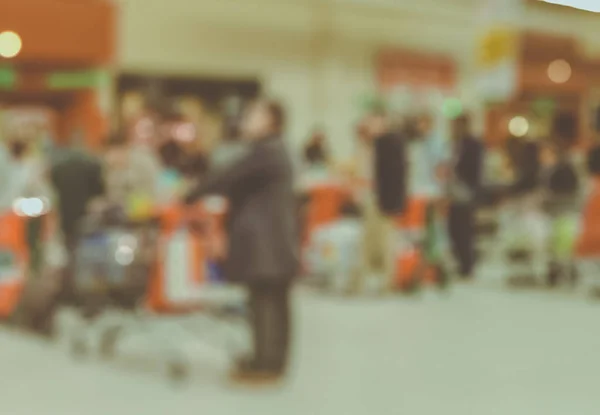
(316, 58)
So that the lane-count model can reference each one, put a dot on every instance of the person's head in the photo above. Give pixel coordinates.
(18, 147)
(549, 154)
(461, 127)
(263, 119)
(410, 128)
(117, 151)
(376, 124)
(593, 162)
(171, 154)
(315, 150)
(564, 127)
(362, 132)
(317, 137)
(425, 124)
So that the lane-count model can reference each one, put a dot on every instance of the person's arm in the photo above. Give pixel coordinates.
(256, 165)
(97, 185)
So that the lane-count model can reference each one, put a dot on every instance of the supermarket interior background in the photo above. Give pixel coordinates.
(299, 206)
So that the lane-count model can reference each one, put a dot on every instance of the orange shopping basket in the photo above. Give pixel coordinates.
(181, 270)
(13, 262)
(324, 206)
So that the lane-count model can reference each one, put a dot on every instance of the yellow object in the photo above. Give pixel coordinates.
(139, 207)
(497, 45)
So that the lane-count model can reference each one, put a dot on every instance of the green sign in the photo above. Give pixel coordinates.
(8, 78)
(75, 79)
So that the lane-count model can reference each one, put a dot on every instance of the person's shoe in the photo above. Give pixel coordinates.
(248, 373)
(466, 277)
(553, 276)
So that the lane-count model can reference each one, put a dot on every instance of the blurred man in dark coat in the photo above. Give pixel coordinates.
(263, 251)
(464, 187)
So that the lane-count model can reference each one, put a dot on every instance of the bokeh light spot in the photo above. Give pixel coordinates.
(559, 71)
(10, 44)
(518, 126)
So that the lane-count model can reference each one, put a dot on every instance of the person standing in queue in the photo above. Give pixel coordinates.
(263, 241)
(464, 187)
(77, 178)
(385, 168)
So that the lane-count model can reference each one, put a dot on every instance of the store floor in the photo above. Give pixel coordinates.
(479, 351)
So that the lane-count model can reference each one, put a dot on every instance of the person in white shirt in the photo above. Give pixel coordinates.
(24, 174)
(426, 154)
(27, 178)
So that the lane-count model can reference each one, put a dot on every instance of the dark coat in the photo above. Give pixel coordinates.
(264, 243)
(528, 166)
(77, 180)
(593, 160)
(390, 170)
(469, 164)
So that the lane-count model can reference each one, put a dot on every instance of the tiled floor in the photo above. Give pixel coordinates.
(478, 351)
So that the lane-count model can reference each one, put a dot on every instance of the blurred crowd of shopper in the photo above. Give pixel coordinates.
(403, 162)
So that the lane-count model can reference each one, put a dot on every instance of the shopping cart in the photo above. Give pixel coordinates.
(523, 243)
(152, 277)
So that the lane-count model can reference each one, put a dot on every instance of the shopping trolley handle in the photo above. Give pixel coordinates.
(94, 223)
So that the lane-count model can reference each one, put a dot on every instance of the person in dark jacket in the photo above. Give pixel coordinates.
(593, 159)
(78, 181)
(385, 168)
(464, 187)
(263, 252)
(528, 169)
(563, 203)
(390, 171)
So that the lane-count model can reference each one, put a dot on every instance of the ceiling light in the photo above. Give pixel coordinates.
(518, 126)
(10, 44)
(559, 71)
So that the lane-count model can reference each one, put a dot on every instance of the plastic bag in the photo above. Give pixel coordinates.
(565, 230)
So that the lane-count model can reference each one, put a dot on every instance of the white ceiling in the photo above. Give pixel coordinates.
(439, 25)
